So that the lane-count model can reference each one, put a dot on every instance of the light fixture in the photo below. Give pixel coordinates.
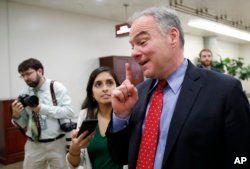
(124, 28)
(219, 23)
(219, 28)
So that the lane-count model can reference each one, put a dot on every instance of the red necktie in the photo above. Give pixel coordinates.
(150, 135)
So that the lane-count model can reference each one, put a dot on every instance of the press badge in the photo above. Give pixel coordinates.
(43, 122)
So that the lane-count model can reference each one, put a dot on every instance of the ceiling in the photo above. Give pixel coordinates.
(114, 9)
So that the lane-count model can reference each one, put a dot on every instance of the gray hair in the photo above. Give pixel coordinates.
(164, 17)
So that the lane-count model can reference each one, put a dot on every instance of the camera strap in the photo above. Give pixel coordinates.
(54, 97)
(53, 93)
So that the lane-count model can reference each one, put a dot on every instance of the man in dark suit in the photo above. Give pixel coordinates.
(203, 117)
(206, 59)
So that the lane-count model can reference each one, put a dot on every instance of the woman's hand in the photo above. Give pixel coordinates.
(80, 142)
(76, 145)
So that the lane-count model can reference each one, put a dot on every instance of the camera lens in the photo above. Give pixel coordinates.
(32, 101)
(27, 100)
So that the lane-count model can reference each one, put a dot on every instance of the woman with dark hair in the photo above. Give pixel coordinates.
(92, 151)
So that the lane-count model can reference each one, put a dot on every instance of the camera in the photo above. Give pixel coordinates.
(67, 126)
(26, 100)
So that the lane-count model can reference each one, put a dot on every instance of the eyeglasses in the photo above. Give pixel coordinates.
(26, 74)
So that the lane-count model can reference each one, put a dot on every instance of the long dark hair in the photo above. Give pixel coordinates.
(89, 102)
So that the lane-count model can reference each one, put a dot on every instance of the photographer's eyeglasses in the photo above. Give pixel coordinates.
(26, 74)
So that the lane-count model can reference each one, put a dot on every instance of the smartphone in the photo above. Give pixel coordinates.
(89, 125)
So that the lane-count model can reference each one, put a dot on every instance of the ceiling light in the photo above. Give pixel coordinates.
(219, 28)
(122, 30)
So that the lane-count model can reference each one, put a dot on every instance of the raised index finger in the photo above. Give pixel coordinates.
(128, 72)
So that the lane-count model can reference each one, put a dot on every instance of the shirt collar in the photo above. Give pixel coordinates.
(45, 85)
(176, 78)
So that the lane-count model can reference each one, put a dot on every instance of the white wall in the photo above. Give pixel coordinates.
(192, 47)
(194, 44)
(4, 59)
(245, 53)
(226, 49)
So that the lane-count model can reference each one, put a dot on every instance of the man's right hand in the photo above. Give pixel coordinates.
(124, 96)
(17, 109)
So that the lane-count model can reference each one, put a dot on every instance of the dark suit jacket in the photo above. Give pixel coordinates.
(209, 129)
(212, 68)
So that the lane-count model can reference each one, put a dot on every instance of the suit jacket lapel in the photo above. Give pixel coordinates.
(189, 92)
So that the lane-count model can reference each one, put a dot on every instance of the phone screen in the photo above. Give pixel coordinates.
(89, 125)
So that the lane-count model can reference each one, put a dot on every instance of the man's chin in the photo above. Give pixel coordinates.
(31, 84)
(105, 102)
(147, 74)
(206, 64)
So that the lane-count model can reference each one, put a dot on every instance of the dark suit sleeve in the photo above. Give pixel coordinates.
(237, 129)
(118, 144)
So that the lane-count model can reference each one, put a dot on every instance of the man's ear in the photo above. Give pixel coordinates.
(174, 36)
(40, 71)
